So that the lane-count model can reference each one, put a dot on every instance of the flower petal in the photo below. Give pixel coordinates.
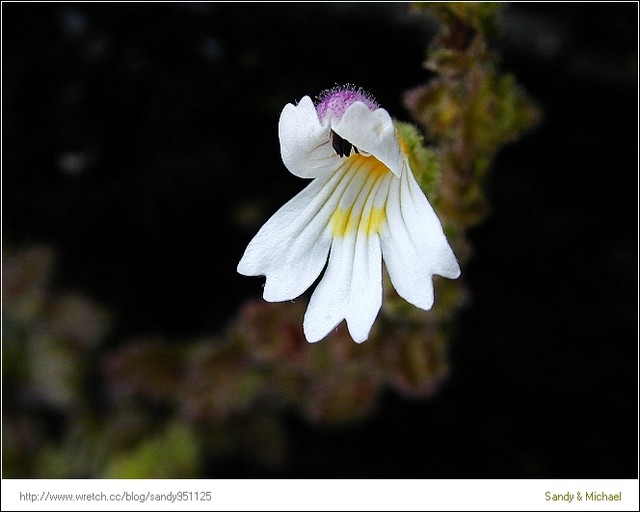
(351, 287)
(366, 287)
(292, 246)
(305, 143)
(428, 233)
(413, 244)
(330, 298)
(373, 132)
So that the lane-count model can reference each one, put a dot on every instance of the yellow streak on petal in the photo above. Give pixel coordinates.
(376, 217)
(345, 221)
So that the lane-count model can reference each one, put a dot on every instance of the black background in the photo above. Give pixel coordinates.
(175, 109)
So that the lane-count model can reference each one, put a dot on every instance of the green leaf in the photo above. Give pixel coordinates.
(423, 160)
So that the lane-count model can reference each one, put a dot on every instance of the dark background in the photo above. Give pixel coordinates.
(136, 135)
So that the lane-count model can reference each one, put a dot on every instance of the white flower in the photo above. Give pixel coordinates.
(363, 205)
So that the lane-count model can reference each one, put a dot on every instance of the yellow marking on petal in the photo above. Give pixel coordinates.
(344, 221)
(339, 221)
(376, 218)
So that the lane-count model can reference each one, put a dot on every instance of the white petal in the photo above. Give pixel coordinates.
(366, 287)
(372, 132)
(413, 244)
(305, 143)
(422, 220)
(351, 287)
(292, 247)
(330, 298)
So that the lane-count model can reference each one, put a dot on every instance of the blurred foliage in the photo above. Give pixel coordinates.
(469, 110)
(152, 407)
(461, 18)
(171, 454)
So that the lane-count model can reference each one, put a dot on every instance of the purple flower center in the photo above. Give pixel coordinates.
(334, 102)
